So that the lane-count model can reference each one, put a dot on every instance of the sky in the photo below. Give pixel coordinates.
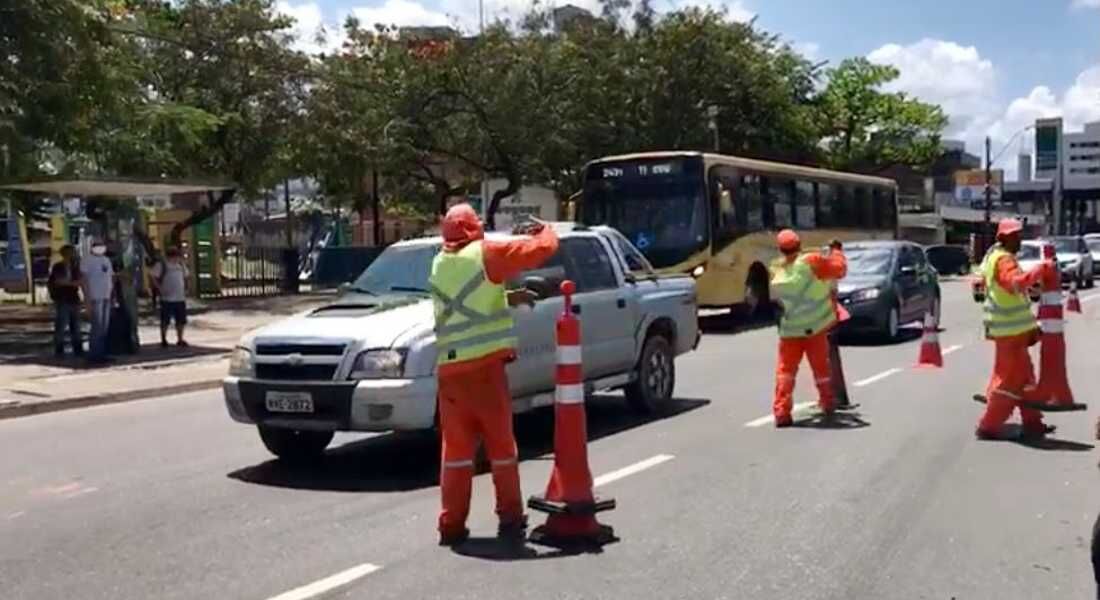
(993, 65)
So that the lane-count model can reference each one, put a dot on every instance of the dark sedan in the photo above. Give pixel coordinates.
(889, 284)
(949, 260)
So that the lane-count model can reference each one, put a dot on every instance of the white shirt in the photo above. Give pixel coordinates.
(172, 283)
(98, 276)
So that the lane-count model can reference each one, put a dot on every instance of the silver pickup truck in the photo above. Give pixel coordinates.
(366, 361)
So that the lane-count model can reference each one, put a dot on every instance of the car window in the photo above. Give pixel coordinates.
(635, 262)
(1028, 252)
(591, 264)
(907, 257)
(1093, 245)
(553, 271)
(868, 261)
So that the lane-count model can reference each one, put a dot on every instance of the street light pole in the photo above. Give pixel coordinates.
(988, 233)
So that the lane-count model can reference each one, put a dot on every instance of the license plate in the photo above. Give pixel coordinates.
(289, 402)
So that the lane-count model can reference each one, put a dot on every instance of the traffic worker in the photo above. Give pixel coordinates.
(474, 341)
(1010, 324)
(801, 285)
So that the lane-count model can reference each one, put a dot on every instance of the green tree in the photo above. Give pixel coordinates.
(865, 128)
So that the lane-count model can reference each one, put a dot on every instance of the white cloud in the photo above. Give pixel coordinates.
(1086, 3)
(308, 23)
(402, 13)
(810, 50)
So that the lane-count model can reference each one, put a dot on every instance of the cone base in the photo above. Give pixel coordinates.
(1043, 406)
(559, 532)
(558, 507)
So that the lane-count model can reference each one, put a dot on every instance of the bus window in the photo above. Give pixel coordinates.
(865, 210)
(750, 201)
(723, 185)
(826, 199)
(780, 194)
(885, 208)
(804, 205)
(844, 209)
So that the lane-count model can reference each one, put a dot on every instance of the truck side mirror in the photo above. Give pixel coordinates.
(539, 285)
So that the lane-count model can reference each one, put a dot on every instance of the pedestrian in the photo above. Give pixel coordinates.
(170, 279)
(64, 288)
(801, 284)
(98, 278)
(1013, 329)
(474, 341)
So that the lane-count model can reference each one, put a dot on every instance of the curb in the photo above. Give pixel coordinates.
(19, 409)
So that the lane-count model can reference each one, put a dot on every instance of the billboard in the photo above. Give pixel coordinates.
(970, 187)
(1048, 138)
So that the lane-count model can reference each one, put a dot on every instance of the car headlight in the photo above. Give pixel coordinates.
(867, 294)
(379, 364)
(240, 362)
(698, 271)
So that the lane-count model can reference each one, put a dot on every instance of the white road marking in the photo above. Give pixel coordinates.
(951, 349)
(879, 377)
(328, 584)
(768, 420)
(1090, 298)
(632, 469)
(16, 515)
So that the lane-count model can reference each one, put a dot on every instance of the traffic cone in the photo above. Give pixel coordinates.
(1073, 304)
(930, 355)
(569, 498)
(836, 367)
(1053, 387)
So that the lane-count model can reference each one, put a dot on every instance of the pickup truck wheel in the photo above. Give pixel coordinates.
(656, 377)
(295, 445)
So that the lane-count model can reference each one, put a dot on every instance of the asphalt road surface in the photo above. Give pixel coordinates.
(167, 498)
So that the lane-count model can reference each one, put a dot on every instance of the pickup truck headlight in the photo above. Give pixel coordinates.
(867, 294)
(240, 362)
(379, 364)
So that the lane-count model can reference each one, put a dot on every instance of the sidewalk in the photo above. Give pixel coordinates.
(33, 381)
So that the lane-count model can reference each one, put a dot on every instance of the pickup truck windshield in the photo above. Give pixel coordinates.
(398, 270)
(659, 205)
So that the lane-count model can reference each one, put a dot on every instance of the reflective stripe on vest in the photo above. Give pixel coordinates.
(807, 304)
(472, 319)
(1006, 313)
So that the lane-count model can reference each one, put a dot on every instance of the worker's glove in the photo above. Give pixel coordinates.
(532, 227)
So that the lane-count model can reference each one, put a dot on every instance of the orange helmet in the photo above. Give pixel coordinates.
(788, 240)
(1009, 227)
(461, 226)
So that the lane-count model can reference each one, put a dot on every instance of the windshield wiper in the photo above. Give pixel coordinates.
(404, 288)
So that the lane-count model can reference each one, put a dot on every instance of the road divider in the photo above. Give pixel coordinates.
(328, 584)
(629, 470)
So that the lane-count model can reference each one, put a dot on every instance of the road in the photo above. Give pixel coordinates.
(168, 499)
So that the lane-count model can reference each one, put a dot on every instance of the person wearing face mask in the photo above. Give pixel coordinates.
(98, 278)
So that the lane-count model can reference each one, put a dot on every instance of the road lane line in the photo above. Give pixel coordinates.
(771, 418)
(328, 584)
(1090, 298)
(951, 349)
(632, 469)
(16, 515)
(879, 377)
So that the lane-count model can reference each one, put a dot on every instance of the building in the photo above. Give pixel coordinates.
(1070, 162)
(922, 193)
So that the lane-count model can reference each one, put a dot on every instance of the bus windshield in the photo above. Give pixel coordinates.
(659, 205)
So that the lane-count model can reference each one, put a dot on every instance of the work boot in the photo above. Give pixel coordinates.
(1037, 433)
(454, 538)
(783, 421)
(513, 531)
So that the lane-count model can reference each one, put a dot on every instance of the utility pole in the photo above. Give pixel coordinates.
(289, 223)
(988, 233)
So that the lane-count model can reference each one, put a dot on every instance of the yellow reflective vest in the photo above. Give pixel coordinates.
(472, 319)
(807, 300)
(1007, 313)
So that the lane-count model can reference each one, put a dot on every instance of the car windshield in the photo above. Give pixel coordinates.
(869, 261)
(1028, 252)
(658, 205)
(399, 269)
(1094, 245)
(1064, 245)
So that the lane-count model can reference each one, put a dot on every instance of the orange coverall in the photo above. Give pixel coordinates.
(474, 400)
(1013, 375)
(814, 347)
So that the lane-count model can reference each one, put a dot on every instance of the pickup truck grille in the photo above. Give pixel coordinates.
(296, 372)
(303, 349)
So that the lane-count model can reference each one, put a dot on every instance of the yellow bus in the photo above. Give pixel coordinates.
(716, 216)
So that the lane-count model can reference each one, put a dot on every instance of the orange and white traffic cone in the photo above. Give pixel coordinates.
(1073, 304)
(836, 367)
(930, 355)
(1053, 387)
(569, 498)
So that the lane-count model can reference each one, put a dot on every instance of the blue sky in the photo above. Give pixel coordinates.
(995, 65)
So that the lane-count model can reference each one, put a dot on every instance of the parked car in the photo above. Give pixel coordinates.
(1074, 260)
(949, 260)
(889, 284)
(1028, 257)
(366, 361)
(1092, 240)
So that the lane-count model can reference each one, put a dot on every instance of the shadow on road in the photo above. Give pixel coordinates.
(495, 549)
(150, 353)
(845, 420)
(1012, 433)
(733, 325)
(403, 462)
(905, 335)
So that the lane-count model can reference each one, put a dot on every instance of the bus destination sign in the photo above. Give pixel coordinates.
(637, 170)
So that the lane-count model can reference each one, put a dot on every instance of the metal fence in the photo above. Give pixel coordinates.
(247, 271)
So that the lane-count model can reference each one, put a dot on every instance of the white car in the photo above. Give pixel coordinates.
(366, 361)
(1074, 260)
(1092, 240)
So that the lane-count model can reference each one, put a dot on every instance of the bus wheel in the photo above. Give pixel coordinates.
(757, 299)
